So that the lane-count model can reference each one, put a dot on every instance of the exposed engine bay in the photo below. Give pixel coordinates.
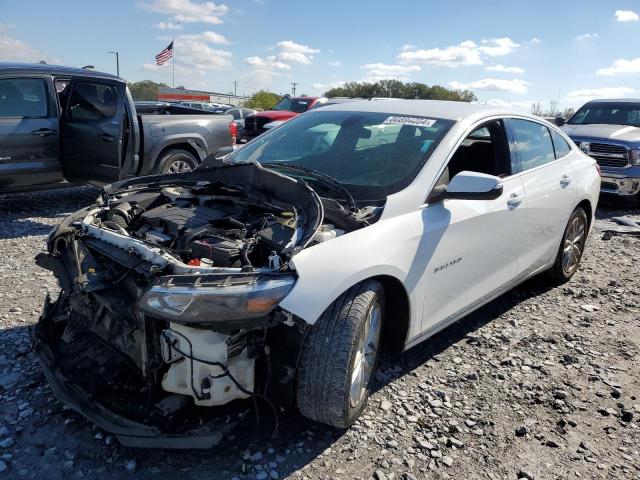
(168, 309)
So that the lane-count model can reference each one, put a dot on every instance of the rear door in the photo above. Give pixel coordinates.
(549, 186)
(29, 141)
(93, 130)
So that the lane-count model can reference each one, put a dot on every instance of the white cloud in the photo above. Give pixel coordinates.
(585, 94)
(408, 47)
(504, 69)
(168, 26)
(208, 36)
(187, 11)
(289, 46)
(621, 66)
(496, 47)
(383, 71)
(293, 52)
(497, 102)
(627, 16)
(335, 63)
(289, 52)
(535, 41)
(515, 85)
(465, 53)
(585, 36)
(266, 63)
(15, 50)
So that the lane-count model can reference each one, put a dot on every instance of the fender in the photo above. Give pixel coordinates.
(328, 269)
(196, 141)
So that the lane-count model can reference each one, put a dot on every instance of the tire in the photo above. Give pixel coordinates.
(577, 226)
(176, 160)
(333, 349)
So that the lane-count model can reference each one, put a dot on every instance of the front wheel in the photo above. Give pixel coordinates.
(571, 247)
(340, 355)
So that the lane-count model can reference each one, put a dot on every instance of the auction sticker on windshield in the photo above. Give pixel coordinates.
(415, 121)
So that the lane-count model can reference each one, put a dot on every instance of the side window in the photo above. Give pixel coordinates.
(62, 89)
(533, 142)
(235, 113)
(485, 150)
(93, 101)
(560, 145)
(23, 97)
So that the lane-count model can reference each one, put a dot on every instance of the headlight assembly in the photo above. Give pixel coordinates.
(635, 156)
(215, 300)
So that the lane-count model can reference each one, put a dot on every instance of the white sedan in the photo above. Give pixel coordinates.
(283, 274)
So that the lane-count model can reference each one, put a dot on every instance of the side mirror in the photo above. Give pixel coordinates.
(560, 121)
(469, 186)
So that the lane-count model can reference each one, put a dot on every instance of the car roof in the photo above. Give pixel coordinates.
(615, 100)
(40, 68)
(433, 108)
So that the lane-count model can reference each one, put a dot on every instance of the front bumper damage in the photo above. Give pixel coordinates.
(129, 433)
(167, 330)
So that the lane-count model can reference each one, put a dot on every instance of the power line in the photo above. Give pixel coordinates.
(293, 88)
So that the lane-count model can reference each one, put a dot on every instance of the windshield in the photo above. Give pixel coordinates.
(297, 105)
(608, 114)
(371, 154)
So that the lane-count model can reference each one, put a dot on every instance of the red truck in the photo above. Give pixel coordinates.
(284, 110)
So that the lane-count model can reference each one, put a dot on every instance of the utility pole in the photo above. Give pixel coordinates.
(235, 88)
(293, 88)
(116, 53)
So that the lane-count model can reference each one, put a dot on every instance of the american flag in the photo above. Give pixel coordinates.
(164, 55)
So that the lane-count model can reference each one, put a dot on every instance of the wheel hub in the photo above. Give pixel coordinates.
(573, 245)
(365, 357)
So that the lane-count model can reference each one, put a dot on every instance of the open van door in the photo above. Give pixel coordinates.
(93, 129)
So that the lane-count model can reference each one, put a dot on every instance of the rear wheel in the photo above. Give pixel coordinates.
(176, 161)
(340, 355)
(571, 247)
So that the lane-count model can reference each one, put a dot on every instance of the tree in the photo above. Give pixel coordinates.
(398, 89)
(262, 100)
(145, 90)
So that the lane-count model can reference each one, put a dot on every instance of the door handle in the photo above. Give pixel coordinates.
(43, 132)
(515, 199)
(105, 137)
(565, 180)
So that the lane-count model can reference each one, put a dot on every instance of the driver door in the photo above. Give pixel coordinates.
(93, 131)
(474, 244)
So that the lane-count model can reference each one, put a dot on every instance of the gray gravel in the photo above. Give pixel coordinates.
(539, 384)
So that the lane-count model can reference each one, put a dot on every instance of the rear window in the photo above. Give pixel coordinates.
(297, 105)
(23, 97)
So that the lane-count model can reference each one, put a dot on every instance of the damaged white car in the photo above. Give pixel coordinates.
(280, 275)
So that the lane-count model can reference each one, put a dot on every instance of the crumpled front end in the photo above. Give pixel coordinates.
(168, 317)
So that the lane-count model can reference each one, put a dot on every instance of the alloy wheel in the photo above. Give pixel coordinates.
(179, 166)
(573, 245)
(365, 357)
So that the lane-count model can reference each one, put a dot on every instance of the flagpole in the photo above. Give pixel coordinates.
(173, 63)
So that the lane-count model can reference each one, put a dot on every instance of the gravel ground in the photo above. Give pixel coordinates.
(538, 384)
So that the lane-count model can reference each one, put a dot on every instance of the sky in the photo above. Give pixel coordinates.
(514, 52)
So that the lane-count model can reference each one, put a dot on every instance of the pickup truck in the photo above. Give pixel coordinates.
(609, 131)
(62, 124)
(284, 110)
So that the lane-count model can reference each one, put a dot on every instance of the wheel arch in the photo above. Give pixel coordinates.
(195, 146)
(397, 313)
(586, 205)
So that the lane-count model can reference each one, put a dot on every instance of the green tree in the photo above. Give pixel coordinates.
(262, 100)
(398, 89)
(145, 89)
